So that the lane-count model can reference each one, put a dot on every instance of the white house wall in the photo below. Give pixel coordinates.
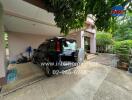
(18, 42)
(79, 37)
(29, 10)
(2, 49)
(76, 36)
(93, 43)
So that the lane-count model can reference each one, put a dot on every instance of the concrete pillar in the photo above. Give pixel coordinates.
(93, 43)
(2, 49)
(82, 39)
(81, 53)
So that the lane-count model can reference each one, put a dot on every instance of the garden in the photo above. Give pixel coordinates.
(118, 42)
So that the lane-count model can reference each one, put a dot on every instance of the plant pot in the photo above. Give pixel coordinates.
(0, 89)
(122, 65)
(130, 69)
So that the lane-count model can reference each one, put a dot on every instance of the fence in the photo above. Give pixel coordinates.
(104, 49)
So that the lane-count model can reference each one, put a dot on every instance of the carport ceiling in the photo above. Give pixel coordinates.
(23, 17)
(14, 24)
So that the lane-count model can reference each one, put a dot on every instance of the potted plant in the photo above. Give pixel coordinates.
(130, 63)
(123, 53)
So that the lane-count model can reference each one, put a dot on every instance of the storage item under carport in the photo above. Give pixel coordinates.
(11, 75)
(22, 59)
(56, 54)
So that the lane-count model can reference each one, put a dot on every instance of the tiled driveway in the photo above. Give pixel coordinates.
(90, 81)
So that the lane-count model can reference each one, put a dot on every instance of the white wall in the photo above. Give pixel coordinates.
(18, 42)
(79, 37)
(2, 55)
(93, 43)
(76, 36)
(2, 49)
(29, 10)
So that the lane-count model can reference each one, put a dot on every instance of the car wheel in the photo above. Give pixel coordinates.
(48, 71)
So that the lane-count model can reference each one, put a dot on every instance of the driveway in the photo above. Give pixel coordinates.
(90, 81)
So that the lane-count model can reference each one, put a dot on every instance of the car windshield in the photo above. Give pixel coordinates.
(70, 46)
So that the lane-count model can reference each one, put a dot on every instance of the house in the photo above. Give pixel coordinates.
(29, 25)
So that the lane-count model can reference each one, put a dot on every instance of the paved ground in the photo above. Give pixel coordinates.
(94, 81)
(25, 73)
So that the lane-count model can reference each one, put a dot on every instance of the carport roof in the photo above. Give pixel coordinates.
(24, 17)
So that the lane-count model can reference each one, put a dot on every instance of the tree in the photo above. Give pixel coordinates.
(71, 14)
(124, 30)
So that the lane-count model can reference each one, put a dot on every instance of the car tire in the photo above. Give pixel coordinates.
(48, 71)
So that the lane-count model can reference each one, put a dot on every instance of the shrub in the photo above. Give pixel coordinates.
(103, 41)
(122, 49)
(118, 44)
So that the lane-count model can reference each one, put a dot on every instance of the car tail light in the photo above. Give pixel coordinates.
(58, 46)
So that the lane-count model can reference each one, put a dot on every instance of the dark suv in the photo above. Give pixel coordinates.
(56, 54)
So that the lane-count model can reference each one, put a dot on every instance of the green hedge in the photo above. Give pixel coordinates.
(118, 44)
(122, 49)
(104, 40)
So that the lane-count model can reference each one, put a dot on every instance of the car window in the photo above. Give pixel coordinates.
(70, 46)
